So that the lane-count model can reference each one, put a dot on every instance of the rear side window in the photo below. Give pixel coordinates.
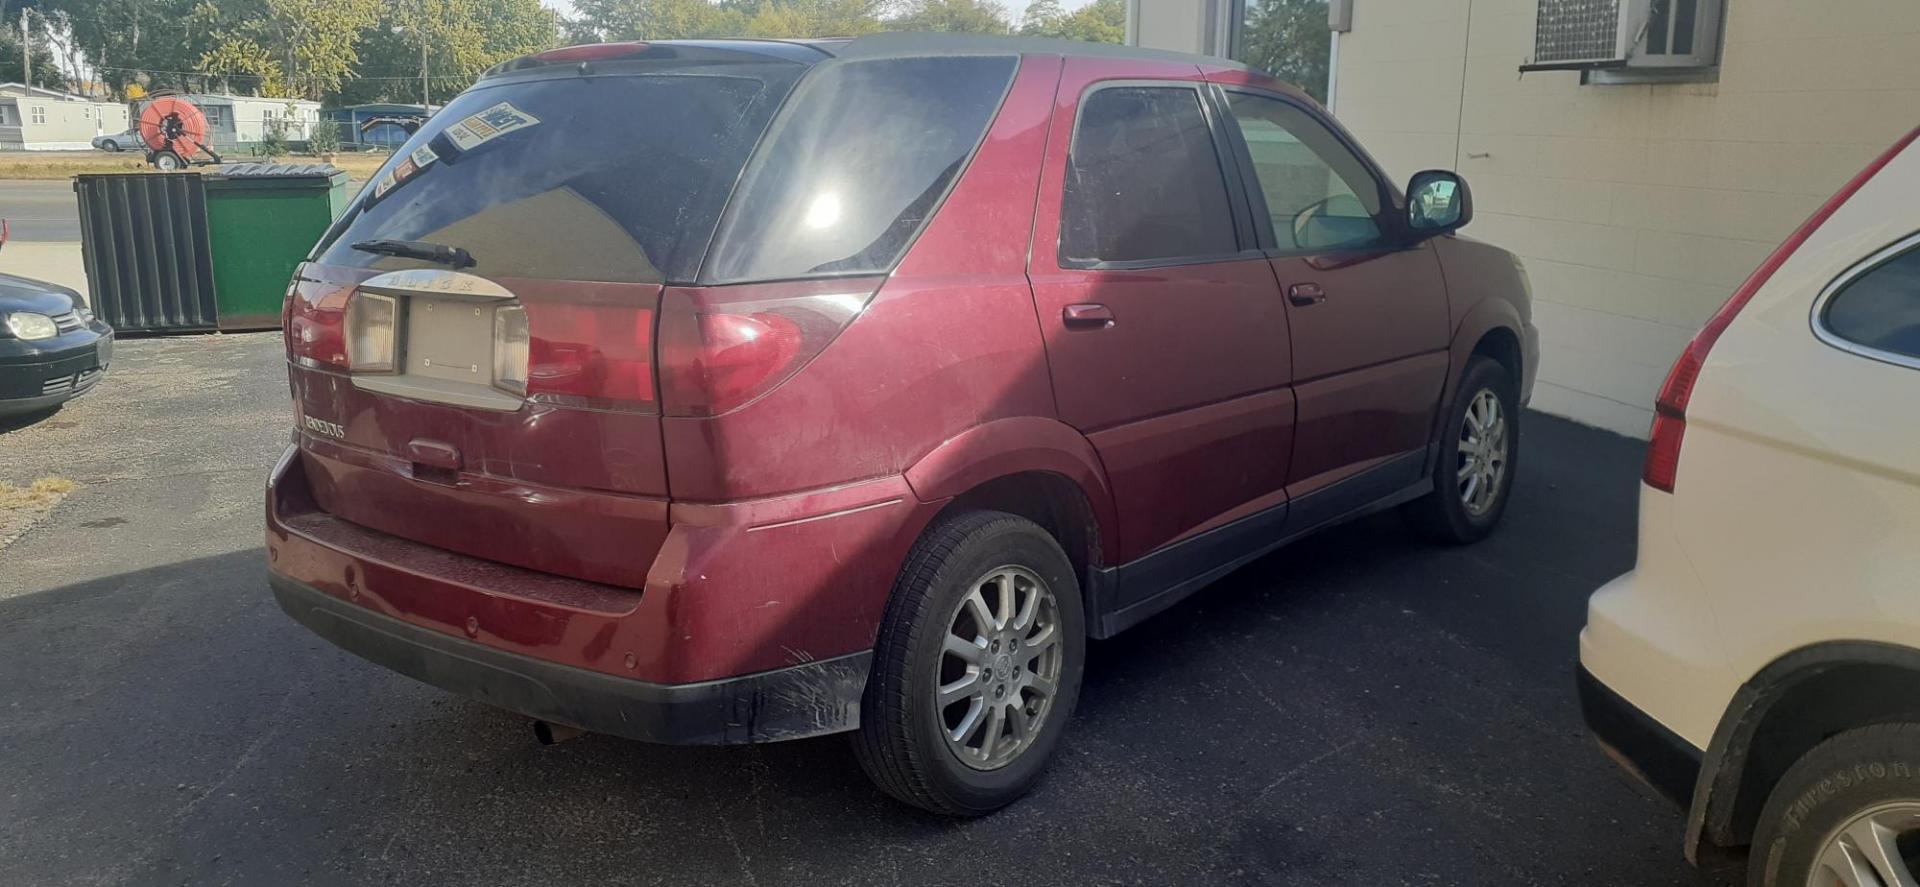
(1880, 309)
(1143, 181)
(613, 178)
(857, 161)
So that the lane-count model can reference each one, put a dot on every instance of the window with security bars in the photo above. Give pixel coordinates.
(1655, 36)
(1576, 31)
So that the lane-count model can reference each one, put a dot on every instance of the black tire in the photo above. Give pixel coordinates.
(169, 161)
(900, 743)
(1840, 779)
(1443, 515)
(111, 145)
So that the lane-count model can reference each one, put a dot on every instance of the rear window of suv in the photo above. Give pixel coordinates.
(859, 159)
(618, 177)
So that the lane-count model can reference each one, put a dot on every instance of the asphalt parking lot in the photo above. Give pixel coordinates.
(1359, 709)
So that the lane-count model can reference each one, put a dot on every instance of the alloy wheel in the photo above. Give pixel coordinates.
(1484, 438)
(999, 668)
(1878, 848)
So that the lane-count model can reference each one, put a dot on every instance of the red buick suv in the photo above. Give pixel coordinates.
(739, 391)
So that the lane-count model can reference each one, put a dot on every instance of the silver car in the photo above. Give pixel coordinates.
(118, 141)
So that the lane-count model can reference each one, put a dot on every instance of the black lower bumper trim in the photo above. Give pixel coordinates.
(1644, 746)
(791, 703)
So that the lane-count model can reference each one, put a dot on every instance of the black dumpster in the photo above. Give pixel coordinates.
(143, 237)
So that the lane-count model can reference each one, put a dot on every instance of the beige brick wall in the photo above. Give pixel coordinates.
(1639, 208)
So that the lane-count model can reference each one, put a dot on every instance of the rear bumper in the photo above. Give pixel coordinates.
(790, 703)
(1638, 743)
(755, 622)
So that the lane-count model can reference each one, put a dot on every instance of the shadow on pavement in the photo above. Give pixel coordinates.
(17, 421)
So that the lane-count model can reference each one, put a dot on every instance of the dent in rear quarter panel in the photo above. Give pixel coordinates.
(1484, 291)
(764, 576)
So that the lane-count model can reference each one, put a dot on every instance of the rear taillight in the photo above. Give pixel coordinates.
(720, 349)
(372, 333)
(598, 356)
(1670, 408)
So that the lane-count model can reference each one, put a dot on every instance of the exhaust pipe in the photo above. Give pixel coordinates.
(549, 733)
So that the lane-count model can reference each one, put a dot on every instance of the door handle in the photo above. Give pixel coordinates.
(1088, 315)
(1304, 294)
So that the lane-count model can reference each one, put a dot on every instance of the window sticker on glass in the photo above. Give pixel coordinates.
(408, 168)
(488, 125)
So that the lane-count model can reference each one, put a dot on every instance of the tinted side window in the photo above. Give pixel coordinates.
(1881, 308)
(853, 165)
(1144, 180)
(1319, 195)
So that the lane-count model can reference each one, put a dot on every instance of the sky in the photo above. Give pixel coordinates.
(1013, 7)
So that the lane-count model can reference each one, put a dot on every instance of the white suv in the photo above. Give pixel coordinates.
(1761, 664)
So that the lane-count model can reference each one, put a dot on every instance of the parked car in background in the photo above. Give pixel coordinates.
(119, 141)
(1761, 664)
(589, 431)
(51, 347)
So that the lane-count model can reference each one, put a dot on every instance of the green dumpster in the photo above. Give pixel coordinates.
(262, 218)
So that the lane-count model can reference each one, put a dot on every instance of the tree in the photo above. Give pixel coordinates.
(648, 20)
(1102, 21)
(464, 38)
(1291, 40)
(157, 43)
(964, 16)
(297, 48)
(45, 71)
(1042, 18)
(807, 18)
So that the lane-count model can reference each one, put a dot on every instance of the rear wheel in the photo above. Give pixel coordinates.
(168, 161)
(111, 145)
(977, 668)
(1479, 450)
(1847, 813)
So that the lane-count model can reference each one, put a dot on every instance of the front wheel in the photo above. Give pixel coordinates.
(977, 667)
(1479, 451)
(1847, 813)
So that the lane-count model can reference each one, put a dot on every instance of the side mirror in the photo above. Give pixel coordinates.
(1438, 201)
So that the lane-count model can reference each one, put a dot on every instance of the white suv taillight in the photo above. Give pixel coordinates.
(372, 327)
(1670, 409)
(510, 347)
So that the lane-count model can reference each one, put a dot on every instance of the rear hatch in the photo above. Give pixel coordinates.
(471, 347)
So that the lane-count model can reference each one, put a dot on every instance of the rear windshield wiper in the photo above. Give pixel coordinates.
(439, 254)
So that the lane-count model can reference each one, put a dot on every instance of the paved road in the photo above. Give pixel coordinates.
(40, 211)
(1360, 709)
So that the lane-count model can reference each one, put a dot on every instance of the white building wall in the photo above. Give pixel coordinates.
(1182, 25)
(1637, 208)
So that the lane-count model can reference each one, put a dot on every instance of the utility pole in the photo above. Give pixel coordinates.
(26, 54)
(426, 97)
